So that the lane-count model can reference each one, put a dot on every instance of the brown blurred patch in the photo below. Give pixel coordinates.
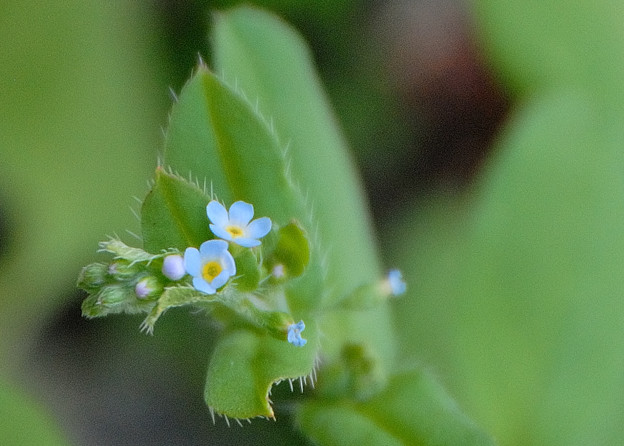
(435, 66)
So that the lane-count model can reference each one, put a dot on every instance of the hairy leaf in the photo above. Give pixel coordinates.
(246, 364)
(174, 214)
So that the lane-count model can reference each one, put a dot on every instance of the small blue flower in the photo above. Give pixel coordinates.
(173, 267)
(294, 334)
(211, 266)
(396, 282)
(235, 225)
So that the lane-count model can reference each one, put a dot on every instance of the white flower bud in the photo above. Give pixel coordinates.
(173, 267)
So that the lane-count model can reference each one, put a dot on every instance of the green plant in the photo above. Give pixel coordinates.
(261, 132)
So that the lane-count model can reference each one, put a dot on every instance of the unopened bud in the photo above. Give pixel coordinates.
(146, 287)
(173, 267)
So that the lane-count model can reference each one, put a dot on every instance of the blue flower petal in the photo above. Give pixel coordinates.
(192, 261)
(259, 228)
(220, 280)
(213, 248)
(241, 213)
(247, 242)
(221, 232)
(227, 261)
(217, 213)
(203, 286)
(209, 251)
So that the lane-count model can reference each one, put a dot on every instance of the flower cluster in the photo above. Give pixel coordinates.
(132, 283)
(212, 265)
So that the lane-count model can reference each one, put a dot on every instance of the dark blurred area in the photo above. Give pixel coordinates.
(419, 107)
(448, 94)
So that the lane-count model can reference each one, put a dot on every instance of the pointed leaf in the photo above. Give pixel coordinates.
(246, 364)
(174, 214)
(217, 135)
(270, 62)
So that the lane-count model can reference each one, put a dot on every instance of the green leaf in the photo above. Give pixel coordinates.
(173, 214)
(413, 410)
(537, 260)
(246, 364)
(270, 62)
(77, 123)
(292, 250)
(247, 270)
(215, 134)
(547, 44)
(545, 275)
(130, 254)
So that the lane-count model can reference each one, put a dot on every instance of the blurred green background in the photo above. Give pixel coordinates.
(489, 137)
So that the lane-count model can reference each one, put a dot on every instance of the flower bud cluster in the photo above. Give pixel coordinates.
(137, 281)
(120, 286)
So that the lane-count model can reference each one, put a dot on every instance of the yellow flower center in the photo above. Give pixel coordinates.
(235, 231)
(210, 270)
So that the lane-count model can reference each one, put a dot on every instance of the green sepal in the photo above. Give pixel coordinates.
(111, 287)
(124, 270)
(92, 277)
(292, 251)
(247, 268)
(412, 410)
(175, 296)
(122, 251)
(112, 299)
(173, 214)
